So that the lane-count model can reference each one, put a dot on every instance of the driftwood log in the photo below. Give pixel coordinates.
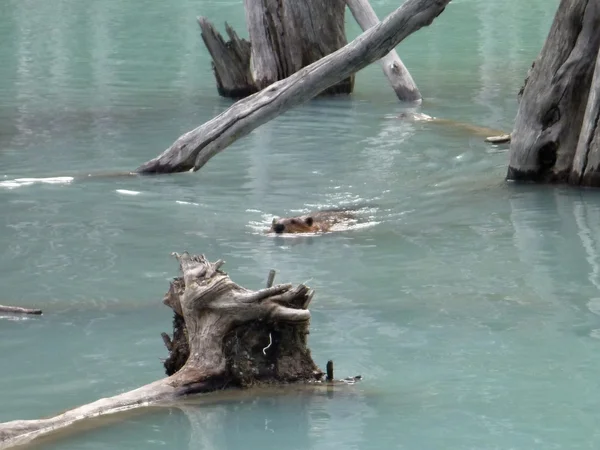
(552, 123)
(195, 148)
(225, 336)
(19, 310)
(394, 69)
(284, 38)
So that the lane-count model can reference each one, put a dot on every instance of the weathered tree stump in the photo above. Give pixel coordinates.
(225, 336)
(553, 102)
(284, 38)
(195, 148)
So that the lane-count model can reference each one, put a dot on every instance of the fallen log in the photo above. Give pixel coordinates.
(225, 336)
(394, 69)
(19, 310)
(195, 148)
(553, 101)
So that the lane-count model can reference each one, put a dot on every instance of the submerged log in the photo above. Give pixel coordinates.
(393, 68)
(554, 98)
(19, 310)
(230, 336)
(491, 135)
(195, 148)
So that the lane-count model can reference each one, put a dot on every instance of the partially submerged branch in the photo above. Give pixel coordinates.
(19, 310)
(195, 148)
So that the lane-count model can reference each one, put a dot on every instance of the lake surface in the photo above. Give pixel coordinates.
(470, 306)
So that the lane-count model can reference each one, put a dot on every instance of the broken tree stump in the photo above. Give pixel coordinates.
(394, 69)
(230, 61)
(195, 148)
(226, 336)
(284, 38)
(553, 101)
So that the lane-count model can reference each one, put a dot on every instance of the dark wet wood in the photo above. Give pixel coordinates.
(230, 60)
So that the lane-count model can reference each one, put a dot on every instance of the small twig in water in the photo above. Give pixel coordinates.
(270, 342)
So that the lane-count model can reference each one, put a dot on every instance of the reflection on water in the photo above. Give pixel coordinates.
(470, 306)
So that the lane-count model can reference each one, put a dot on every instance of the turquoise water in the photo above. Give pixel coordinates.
(470, 306)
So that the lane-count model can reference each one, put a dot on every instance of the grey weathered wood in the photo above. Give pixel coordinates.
(500, 139)
(551, 110)
(230, 61)
(19, 310)
(195, 148)
(287, 36)
(224, 323)
(586, 165)
(393, 67)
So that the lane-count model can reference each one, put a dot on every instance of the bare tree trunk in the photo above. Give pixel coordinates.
(553, 102)
(284, 38)
(192, 150)
(231, 337)
(288, 36)
(19, 310)
(586, 166)
(394, 69)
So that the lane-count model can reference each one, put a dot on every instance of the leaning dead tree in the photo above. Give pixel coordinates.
(284, 38)
(394, 69)
(225, 336)
(556, 134)
(195, 148)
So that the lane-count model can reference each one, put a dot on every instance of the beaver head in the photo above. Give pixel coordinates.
(294, 225)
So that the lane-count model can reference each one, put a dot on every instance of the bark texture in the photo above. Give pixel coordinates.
(394, 69)
(288, 36)
(554, 98)
(234, 337)
(586, 166)
(195, 148)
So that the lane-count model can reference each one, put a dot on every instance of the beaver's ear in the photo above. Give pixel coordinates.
(309, 221)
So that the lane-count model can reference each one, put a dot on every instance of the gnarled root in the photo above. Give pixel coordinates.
(225, 336)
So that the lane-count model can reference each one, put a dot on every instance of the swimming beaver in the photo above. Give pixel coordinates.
(316, 222)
